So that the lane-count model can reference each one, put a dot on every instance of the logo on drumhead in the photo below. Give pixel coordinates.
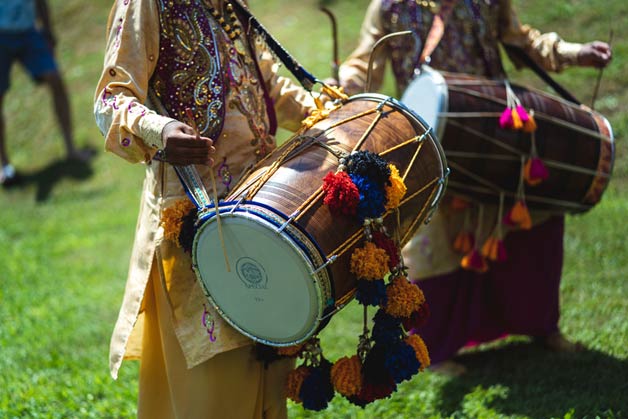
(251, 273)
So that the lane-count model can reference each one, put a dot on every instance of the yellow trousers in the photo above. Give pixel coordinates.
(231, 385)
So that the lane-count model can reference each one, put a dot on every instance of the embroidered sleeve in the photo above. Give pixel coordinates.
(132, 130)
(353, 72)
(548, 50)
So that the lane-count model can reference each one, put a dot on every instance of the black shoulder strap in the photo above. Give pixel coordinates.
(306, 79)
(527, 60)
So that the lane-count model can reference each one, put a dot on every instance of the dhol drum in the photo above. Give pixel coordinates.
(275, 262)
(574, 142)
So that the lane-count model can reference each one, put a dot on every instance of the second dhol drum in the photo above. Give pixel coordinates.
(573, 142)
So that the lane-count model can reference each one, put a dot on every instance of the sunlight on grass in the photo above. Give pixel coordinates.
(65, 239)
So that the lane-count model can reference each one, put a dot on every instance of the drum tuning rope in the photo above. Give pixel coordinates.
(212, 178)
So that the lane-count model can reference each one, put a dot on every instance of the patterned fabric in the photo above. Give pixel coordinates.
(469, 44)
(135, 98)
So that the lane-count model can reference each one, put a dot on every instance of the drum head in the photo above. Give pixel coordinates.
(269, 293)
(427, 95)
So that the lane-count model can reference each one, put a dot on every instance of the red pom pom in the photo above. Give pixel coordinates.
(384, 242)
(341, 194)
(418, 318)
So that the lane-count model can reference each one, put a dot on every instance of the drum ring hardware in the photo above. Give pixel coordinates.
(288, 221)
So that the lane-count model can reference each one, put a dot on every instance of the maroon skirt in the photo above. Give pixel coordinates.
(518, 296)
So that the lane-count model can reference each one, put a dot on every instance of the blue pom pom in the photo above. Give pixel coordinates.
(317, 390)
(387, 329)
(371, 293)
(372, 198)
(401, 362)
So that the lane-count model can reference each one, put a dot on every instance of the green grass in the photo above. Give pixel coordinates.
(65, 240)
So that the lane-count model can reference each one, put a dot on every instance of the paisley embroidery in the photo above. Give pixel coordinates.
(188, 72)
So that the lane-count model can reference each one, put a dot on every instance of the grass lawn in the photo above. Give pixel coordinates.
(66, 234)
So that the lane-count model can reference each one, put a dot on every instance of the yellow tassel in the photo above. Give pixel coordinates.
(335, 92)
(172, 218)
(369, 262)
(521, 215)
(422, 354)
(463, 242)
(529, 125)
(346, 375)
(516, 120)
(403, 298)
(396, 190)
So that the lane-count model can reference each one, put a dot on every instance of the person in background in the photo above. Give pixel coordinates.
(520, 295)
(165, 60)
(26, 36)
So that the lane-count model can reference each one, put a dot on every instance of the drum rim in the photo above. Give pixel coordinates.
(322, 278)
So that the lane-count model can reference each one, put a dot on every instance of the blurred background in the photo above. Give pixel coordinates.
(66, 235)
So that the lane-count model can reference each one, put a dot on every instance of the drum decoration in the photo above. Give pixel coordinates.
(379, 175)
(365, 186)
(514, 149)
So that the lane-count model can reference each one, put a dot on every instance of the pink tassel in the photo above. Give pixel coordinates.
(523, 115)
(505, 120)
(538, 169)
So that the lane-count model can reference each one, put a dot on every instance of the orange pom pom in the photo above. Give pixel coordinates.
(422, 354)
(294, 381)
(489, 249)
(403, 297)
(516, 120)
(529, 125)
(464, 242)
(346, 375)
(171, 218)
(396, 190)
(474, 261)
(369, 262)
(520, 215)
(290, 350)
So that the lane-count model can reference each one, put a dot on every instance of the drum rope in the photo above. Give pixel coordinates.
(368, 131)
(273, 168)
(529, 198)
(518, 153)
(414, 222)
(538, 115)
(412, 140)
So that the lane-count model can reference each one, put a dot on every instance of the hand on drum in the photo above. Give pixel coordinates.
(183, 146)
(595, 54)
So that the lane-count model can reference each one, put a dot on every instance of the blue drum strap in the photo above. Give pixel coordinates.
(193, 186)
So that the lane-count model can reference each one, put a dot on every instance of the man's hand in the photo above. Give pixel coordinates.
(183, 147)
(595, 54)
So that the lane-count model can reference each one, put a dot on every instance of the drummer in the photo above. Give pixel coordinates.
(520, 295)
(193, 364)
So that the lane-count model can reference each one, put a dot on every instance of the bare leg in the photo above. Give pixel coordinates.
(7, 172)
(63, 114)
(4, 158)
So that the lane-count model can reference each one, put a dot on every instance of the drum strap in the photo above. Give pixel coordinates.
(437, 30)
(306, 79)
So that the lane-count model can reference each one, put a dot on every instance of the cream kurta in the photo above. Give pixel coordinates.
(132, 122)
(430, 252)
